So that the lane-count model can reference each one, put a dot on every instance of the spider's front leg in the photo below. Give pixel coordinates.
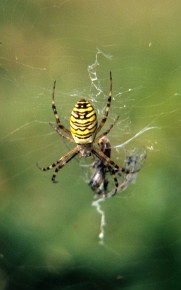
(69, 156)
(62, 161)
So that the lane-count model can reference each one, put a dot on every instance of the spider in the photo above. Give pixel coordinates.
(83, 132)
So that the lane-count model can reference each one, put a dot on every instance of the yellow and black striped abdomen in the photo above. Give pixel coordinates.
(83, 122)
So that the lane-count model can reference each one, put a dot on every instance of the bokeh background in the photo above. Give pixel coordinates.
(49, 232)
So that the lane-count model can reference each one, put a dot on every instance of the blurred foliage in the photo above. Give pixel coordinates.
(49, 233)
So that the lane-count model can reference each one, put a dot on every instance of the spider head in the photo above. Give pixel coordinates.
(85, 149)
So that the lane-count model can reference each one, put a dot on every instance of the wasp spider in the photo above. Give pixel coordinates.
(83, 132)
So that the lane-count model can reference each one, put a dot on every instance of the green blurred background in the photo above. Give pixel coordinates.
(49, 232)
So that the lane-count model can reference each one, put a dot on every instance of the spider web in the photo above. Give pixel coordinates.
(50, 234)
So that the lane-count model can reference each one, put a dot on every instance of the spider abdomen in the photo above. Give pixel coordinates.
(83, 122)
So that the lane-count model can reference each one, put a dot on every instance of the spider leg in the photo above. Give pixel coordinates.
(60, 126)
(59, 132)
(64, 159)
(130, 166)
(115, 182)
(105, 160)
(107, 107)
(127, 171)
(108, 130)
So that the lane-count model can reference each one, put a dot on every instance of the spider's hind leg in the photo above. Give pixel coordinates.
(107, 131)
(60, 133)
(60, 126)
(106, 113)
